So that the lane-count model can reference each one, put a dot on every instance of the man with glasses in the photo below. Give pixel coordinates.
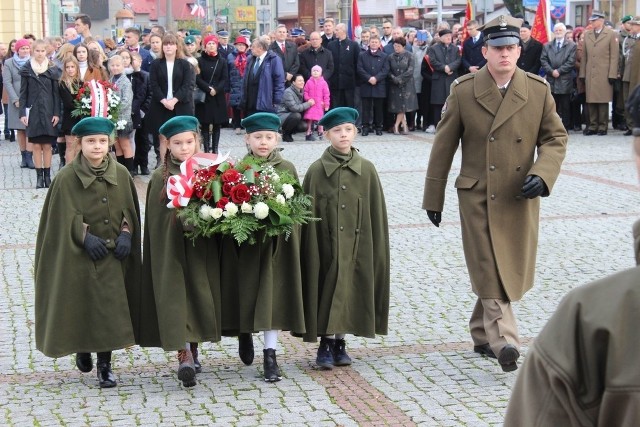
(472, 57)
(386, 38)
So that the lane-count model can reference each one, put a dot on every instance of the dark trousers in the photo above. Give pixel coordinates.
(436, 110)
(375, 106)
(343, 98)
(143, 144)
(578, 111)
(7, 131)
(293, 123)
(236, 117)
(598, 116)
(563, 108)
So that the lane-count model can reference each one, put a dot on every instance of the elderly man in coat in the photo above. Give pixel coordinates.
(599, 70)
(581, 369)
(445, 60)
(558, 61)
(263, 83)
(504, 117)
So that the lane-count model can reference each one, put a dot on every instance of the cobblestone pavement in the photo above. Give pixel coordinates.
(423, 373)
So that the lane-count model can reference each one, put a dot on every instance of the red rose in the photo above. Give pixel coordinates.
(198, 191)
(231, 175)
(208, 194)
(227, 187)
(240, 193)
(222, 202)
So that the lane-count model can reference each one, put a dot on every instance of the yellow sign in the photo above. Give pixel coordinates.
(246, 14)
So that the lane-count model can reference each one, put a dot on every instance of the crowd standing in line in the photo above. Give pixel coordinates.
(178, 90)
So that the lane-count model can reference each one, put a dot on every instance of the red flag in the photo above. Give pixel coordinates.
(355, 26)
(539, 29)
(468, 16)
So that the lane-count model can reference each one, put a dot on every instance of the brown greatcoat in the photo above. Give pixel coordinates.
(599, 64)
(581, 370)
(499, 140)
(634, 67)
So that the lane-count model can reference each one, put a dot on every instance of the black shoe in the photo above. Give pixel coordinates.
(577, 128)
(602, 132)
(324, 357)
(508, 357)
(340, 356)
(484, 350)
(286, 137)
(271, 368)
(106, 379)
(194, 353)
(39, 178)
(629, 132)
(589, 132)
(379, 132)
(84, 362)
(245, 348)
(12, 138)
(144, 170)
(365, 132)
(186, 368)
(310, 137)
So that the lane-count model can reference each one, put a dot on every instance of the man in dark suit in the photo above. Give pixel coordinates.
(345, 54)
(224, 48)
(531, 51)
(132, 42)
(287, 51)
(328, 34)
(472, 57)
(316, 55)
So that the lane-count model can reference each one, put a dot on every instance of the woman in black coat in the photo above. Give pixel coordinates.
(69, 85)
(212, 80)
(402, 91)
(170, 98)
(373, 69)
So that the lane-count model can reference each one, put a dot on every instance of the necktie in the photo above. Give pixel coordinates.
(558, 45)
(283, 48)
(256, 65)
(133, 49)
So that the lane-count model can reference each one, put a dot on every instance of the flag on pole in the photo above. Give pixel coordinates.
(540, 30)
(197, 10)
(468, 16)
(355, 26)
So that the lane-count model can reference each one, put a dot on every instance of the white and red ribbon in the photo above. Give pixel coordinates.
(180, 187)
(99, 106)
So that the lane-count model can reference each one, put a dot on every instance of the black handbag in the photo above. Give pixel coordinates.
(198, 94)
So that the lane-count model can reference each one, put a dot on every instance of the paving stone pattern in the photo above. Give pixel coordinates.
(423, 373)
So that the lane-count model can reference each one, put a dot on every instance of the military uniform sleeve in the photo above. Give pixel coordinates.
(615, 53)
(552, 141)
(444, 148)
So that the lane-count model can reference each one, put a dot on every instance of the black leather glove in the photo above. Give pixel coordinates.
(95, 247)
(533, 187)
(611, 81)
(633, 106)
(435, 217)
(123, 245)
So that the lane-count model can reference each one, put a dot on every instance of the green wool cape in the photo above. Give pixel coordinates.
(345, 256)
(83, 306)
(181, 277)
(262, 283)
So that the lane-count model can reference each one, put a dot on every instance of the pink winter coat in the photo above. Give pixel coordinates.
(318, 89)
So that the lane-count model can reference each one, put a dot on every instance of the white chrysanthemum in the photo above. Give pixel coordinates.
(280, 199)
(261, 210)
(275, 177)
(246, 208)
(230, 209)
(121, 124)
(216, 213)
(288, 190)
(205, 212)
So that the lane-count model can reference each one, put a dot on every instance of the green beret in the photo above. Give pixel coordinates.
(178, 124)
(93, 126)
(194, 32)
(261, 121)
(338, 116)
(190, 40)
(626, 18)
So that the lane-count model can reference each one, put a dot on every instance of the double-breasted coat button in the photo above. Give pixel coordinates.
(493, 197)
(343, 206)
(344, 187)
(106, 221)
(357, 230)
(100, 179)
(341, 228)
(492, 139)
(492, 168)
(519, 140)
(104, 200)
(108, 240)
(518, 168)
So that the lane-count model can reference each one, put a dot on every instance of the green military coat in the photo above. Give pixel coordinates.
(599, 64)
(262, 283)
(84, 306)
(581, 370)
(346, 268)
(500, 141)
(181, 278)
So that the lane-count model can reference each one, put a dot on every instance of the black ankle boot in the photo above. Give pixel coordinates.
(271, 369)
(120, 159)
(324, 356)
(340, 356)
(215, 139)
(23, 160)
(39, 178)
(206, 142)
(47, 177)
(84, 362)
(245, 348)
(194, 353)
(128, 163)
(62, 151)
(106, 379)
(186, 368)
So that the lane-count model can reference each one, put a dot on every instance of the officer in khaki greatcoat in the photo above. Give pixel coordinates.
(599, 70)
(502, 117)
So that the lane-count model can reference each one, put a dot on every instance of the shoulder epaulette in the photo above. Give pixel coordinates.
(463, 78)
(537, 78)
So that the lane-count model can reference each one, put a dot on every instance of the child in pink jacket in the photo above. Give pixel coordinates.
(317, 89)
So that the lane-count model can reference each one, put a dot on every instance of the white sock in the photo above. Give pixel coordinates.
(270, 339)
(187, 346)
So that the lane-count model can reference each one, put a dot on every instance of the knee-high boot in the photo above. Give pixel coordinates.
(215, 139)
(206, 140)
(62, 151)
(40, 178)
(120, 159)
